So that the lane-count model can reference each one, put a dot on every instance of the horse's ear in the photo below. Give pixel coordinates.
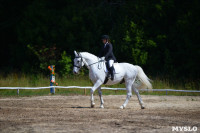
(76, 54)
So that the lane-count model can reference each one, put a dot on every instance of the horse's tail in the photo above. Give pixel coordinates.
(143, 78)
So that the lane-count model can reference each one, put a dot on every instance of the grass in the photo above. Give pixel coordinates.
(24, 80)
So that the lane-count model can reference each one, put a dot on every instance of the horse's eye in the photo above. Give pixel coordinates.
(78, 61)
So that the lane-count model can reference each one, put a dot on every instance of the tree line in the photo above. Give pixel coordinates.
(161, 36)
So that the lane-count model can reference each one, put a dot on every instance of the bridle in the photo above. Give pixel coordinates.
(85, 63)
(81, 62)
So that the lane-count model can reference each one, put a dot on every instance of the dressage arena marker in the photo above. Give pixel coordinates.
(52, 78)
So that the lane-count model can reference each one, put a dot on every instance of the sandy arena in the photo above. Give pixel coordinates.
(72, 114)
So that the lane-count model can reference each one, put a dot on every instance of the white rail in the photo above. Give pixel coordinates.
(89, 87)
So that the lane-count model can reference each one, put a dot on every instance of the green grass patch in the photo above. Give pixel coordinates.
(23, 80)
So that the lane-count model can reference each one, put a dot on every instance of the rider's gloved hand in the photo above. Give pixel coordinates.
(103, 58)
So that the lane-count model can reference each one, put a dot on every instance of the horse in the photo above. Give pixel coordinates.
(123, 72)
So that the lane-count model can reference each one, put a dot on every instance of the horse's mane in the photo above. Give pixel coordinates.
(86, 54)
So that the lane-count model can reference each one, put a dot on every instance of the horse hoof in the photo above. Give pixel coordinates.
(142, 107)
(92, 105)
(122, 107)
(102, 106)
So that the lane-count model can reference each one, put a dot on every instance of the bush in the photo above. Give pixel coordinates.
(64, 66)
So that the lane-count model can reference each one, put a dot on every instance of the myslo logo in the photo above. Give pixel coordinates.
(184, 129)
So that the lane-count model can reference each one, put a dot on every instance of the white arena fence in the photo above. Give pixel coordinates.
(89, 87)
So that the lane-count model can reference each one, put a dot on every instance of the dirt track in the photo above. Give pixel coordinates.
(72, 114)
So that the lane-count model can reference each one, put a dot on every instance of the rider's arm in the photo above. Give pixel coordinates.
(110, 48)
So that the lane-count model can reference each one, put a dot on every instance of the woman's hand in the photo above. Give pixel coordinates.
(103, 58)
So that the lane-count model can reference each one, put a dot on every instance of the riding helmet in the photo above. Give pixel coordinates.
(105, 37)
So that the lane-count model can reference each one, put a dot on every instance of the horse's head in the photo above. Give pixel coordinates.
(78, 62)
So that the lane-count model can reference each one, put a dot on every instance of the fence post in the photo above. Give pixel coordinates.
(17, 91)
(52, 78)
(166, 92)
(85, 91)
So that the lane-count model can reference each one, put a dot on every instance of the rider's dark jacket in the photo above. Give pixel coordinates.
(107, 52)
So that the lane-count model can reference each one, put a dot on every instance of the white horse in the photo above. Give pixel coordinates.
(123, 71)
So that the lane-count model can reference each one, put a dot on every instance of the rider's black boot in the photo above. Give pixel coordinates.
(112, 72)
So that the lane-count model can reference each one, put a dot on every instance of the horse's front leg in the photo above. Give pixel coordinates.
(101, 98)
(96, 85)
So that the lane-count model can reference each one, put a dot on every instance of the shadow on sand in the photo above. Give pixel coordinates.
(79, 107)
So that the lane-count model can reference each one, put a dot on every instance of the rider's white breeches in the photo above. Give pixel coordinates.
(110, 62)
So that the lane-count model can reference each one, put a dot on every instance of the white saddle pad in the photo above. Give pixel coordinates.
(116, 67)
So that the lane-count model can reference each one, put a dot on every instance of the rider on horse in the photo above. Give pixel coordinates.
(107, 54)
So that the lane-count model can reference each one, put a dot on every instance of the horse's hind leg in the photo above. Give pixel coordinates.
(139, 97)
(129, 83)
(101, 98)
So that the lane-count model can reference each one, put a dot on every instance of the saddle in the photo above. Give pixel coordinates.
(108, 73)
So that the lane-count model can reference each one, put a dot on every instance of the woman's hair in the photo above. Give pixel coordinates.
(108, 40)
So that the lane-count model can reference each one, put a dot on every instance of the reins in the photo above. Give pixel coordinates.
(96, 62)
(85, 63)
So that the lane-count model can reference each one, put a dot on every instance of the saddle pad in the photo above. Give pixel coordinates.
(116, 68)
